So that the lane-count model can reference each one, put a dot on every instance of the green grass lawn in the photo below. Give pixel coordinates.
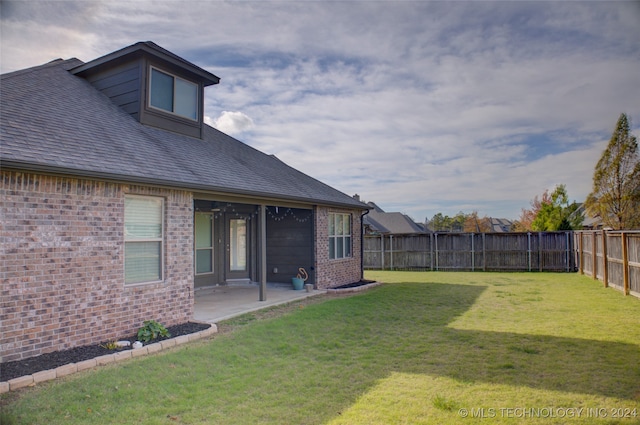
(425, 348)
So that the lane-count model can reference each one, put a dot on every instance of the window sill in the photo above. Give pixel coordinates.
(142, 284)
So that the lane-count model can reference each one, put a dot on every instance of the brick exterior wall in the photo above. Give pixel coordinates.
(330, 273)
(63, 264)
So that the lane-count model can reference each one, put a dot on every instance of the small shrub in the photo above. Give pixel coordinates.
(111, 345)
(152, 330)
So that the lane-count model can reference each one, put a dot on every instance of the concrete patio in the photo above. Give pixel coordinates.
(218, 303)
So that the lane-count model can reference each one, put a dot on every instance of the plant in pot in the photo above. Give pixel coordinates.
(300, 279)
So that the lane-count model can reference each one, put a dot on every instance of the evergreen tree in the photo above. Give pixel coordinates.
(615, 198)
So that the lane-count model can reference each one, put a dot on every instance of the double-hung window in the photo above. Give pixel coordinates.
(173, 94)
(339, 235)
(143, 239)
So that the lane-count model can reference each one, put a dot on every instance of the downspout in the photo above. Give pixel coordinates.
(362, 244)
(263, 252)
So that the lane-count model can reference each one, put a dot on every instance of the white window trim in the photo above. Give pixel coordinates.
(155, 108)
(161, 240)
(334, 238)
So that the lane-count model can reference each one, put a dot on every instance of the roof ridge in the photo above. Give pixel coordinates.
(72, 62)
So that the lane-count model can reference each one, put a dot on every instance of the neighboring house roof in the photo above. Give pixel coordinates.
(500, 225)
(393, 223)
(588, 222)
(54, 121)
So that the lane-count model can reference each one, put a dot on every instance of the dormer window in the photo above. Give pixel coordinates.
(156, 87)
(173, 94)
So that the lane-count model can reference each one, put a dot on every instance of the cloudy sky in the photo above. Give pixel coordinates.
(422, 107)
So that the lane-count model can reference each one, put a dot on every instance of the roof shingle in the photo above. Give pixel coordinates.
(55, 121)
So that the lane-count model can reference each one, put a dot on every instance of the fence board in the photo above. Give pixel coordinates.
(617, 258)
(545, 251)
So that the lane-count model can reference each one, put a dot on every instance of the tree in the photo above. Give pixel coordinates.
(550, 212)
(556, 213)
(615, 198)
(444, 223)
(524, 224)
(474, 224)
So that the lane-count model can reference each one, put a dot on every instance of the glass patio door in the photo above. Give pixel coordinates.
(237, 264)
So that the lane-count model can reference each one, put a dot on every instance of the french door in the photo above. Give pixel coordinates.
(237, 247)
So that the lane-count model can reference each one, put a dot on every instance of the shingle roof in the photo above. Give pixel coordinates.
(57, 122)
(148, 46)
(391, 223)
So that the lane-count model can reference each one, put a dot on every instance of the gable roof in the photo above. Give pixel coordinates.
(146, 47)
(54, 121)
(500, 225)
(393, 223)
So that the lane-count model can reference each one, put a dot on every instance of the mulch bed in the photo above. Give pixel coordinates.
(354, 284)
(48, 361)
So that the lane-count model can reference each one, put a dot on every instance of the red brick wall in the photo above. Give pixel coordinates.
(63, 264)
(330, 273)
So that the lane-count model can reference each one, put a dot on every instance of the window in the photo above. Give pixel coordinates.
(204, 243)
(173, 94)
(143, 230)
(339, 235)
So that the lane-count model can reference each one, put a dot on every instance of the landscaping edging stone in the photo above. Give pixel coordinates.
(71, 368)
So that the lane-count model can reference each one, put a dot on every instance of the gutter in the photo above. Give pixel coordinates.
(127, 179)
(362, 243)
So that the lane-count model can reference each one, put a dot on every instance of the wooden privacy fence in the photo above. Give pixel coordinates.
(544, 251)
(610, 256)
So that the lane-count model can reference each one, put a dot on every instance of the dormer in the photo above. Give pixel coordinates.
(155, 86)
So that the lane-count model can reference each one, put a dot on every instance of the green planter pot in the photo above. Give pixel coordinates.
(298, 283)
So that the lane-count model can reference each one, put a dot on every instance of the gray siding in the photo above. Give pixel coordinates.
(122, 85)
(290, 246)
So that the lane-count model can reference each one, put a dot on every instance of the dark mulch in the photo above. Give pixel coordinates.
(354, 284)
(48, 361)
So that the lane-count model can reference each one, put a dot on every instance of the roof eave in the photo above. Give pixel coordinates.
(152, 49)
(120, 178)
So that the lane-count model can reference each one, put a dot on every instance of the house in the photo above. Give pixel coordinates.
(379, 222)
(118, 201)
(589, 222)
(500, 225)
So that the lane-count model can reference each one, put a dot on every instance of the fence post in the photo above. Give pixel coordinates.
(625, 263)
(568, 240)
(431, 251)
(436, 247)
(529, 250)
(382, 252)
(484, 253)
(605, 260)
(594, 257)
(580, 248)
(391, 252)
(473, 254)
(540, 251)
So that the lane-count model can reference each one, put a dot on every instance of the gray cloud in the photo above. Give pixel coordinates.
(419, 106)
